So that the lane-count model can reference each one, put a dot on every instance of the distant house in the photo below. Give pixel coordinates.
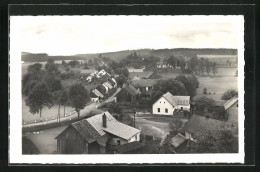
(108, 85)
(94, 134)
(167, 104)
(198, 125)
(177, 140)
(163, 65)
(113, 82)
(142, 75)
(102, 89)
(231, 110)
(127, 94)
(145, 86)
(130, 70)
(95, 95)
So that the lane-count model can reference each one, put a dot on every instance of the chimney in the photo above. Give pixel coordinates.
(104, 120)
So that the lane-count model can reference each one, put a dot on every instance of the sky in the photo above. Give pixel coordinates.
(70, 35)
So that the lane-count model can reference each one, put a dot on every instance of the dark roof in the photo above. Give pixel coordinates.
(177, 140)
(87, 132)
(143, 83)
(200, 124)
(145, 74)
(128, 147)
(130, 89)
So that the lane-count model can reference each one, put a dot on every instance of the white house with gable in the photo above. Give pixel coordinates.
(166, 104)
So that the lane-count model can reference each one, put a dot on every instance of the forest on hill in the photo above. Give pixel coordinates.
(120, 55)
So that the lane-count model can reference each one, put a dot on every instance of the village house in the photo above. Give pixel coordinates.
(93, 135)
(95, 95)
(113, 82)
(163, 65)
(198, 125)
(131, 69)
(107, 85)
(127, 94)
(168, 104)
(142, 75)
(145, 86)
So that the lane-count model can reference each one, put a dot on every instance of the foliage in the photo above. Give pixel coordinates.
(229, 94)
(53, 83)
(175, 124)
(205, 91)
(121, 80)
(221, 141)
(123, 71)
(189, 83)
(38, 98)
(78, 97)
(204, 102)
(73, 63)
(51, 67)
(35, 68)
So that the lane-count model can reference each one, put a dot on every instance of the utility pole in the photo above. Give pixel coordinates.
(134, 117)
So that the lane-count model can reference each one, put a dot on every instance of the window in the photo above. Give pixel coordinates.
(160, 101)
(166, 110)
(181, 108)
(118, 142)
(164, 102)
(158, 109)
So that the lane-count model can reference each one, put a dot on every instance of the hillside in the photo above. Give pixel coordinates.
(120, 55)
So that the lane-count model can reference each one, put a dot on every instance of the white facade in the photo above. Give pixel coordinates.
(106, 87)
(163, 107)
(120, 141)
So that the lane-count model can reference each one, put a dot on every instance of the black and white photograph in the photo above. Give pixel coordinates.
(126, 89)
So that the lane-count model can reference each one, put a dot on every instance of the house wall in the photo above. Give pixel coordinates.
(232, 113)
(162, 103)
(187, 135)
(114, 141)
(187, 108)
(134, 138)
(94, 99)
(70, 142)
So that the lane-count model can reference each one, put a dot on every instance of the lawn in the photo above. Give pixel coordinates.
(45, 140)
(47, 113)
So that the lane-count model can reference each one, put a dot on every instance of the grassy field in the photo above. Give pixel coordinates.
(223, 81)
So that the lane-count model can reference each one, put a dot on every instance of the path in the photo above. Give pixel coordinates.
(92, 107)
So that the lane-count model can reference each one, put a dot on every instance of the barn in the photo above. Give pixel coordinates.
(168, 103)
(94, 134)
(127, 94)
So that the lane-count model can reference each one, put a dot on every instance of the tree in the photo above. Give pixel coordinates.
(123, 71)
(175, 124)
(229, 94)
(214, 68)
(38, 98)
(192, 64)
(215, 141)
(121, 80)
(208, 66)
(35, 68)
(53, 83)
(204, 103)
(172, 60)
(205, 91)
(114, 108)
(67, 69)
(51, 67)
(189, 84)
(78, 97)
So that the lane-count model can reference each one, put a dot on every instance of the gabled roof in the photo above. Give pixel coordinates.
(143, 83)
(113, 126)
(97, 93)
(145, 74)
(177, 140)
(91, 129)
(177, 100)
(107, 84)
(230, 102)
(131, 90)
(200, 124)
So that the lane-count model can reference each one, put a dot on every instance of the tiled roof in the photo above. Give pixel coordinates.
(128, 147)
(178, 140)
(143, 83)
(97, 93)
(230, 102)
(177, 100)
(108, 85)
(130, 89)
(113, 126)
(145, 74)
(199, 124)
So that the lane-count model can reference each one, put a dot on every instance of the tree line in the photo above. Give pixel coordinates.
(43, 88)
